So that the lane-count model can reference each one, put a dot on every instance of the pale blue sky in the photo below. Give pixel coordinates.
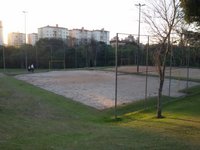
(112, 15)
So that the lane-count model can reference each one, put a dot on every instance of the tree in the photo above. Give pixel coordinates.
(49, 50)
(162, 17)
(191, 9)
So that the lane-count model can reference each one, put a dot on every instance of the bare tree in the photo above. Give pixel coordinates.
(162, 17)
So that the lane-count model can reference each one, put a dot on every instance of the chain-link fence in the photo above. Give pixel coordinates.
(132, 57)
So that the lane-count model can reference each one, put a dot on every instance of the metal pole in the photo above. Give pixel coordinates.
(75, 57)
(86, 63)
(170, 70)
(36, 56)
(139, 5)
(188, 65)
(95, 58)
(116, 70)
(147, 64)
(64, 55)
(50, 62)
(26, 59)
(138, 39)
(105, 55)
(51, 54)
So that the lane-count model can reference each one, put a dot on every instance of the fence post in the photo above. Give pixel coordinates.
(116, 70)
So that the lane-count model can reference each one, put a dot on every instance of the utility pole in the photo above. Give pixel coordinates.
(139, 5)
(26, 59)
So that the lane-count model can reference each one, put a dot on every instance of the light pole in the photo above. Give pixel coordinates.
(188, 64)
(26, 61)
(139, 5)
(116, 72)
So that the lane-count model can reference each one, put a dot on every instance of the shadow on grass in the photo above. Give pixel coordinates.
(143, 109)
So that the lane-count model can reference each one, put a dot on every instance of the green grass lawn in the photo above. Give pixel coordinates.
(32, 118)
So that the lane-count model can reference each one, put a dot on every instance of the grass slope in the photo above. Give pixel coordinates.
(32, 118)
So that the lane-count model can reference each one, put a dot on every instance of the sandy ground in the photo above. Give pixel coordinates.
(175, 72)
(1, 75)
(97, 88)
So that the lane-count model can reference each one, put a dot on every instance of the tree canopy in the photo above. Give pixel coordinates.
(191, 9)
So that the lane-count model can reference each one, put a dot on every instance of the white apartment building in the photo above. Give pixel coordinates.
(74, 36)
(80, 36)
(101, 35)
(1, 33)
(32, 38)
(16, 39)
(53, 32)
(122, 41)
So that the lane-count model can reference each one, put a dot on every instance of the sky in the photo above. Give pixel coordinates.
(116, 16)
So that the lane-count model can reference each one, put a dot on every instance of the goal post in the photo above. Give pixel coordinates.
(128, 53)
(56, 64)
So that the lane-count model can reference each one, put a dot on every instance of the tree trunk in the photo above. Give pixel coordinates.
(159, 104)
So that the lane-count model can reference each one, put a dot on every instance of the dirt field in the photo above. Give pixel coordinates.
(96, 88)
(175, 72)
(1, 75)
